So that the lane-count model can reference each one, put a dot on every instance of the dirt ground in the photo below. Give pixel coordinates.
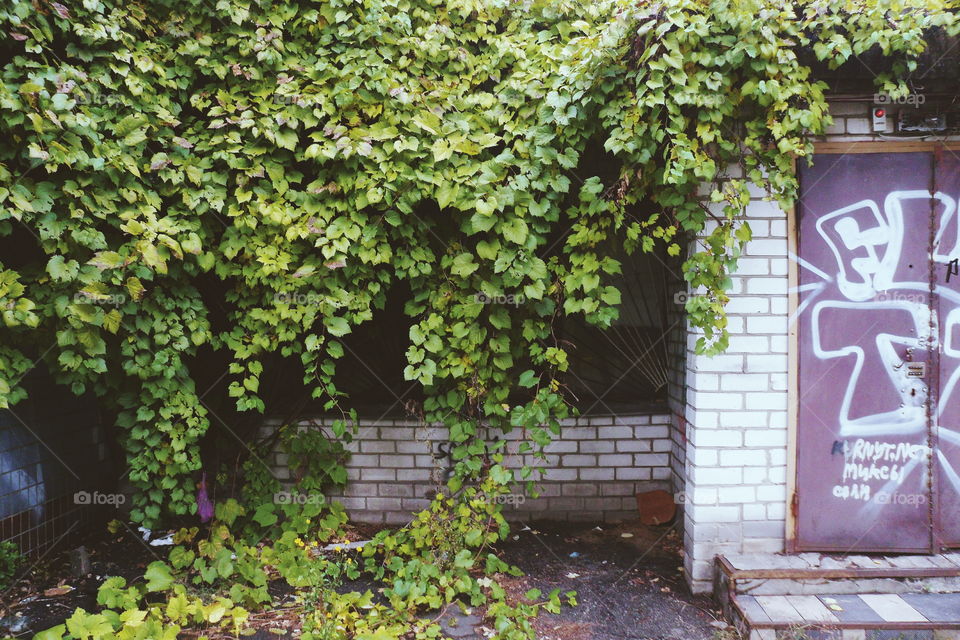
(627, 577)
(628, 580)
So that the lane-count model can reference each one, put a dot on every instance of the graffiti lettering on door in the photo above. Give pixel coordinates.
(878, 358)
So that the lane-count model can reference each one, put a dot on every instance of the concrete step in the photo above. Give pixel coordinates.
(815, 574)
(916, 616)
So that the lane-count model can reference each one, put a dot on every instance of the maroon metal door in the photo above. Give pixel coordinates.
(946, 441)
(866, 339)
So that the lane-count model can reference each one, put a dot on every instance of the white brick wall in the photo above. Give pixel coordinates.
(736, 403)
(736, 411)
(593, 470)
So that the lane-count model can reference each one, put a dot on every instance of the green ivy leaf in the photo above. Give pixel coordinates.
(158, 576)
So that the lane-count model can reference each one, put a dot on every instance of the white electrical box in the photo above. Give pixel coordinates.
(879, 118)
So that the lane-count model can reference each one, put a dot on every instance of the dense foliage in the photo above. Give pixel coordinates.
(308, 157)
(180, 178)
(213, 580)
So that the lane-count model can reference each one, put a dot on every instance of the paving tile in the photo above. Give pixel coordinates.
(935, 607)
(811, 609)
(779, 609)
(891, 607)
(943, 562)
(899, 635)
(752, 610)
(810, 634)
(852, 608)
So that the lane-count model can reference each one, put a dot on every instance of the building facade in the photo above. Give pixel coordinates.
(825, 424)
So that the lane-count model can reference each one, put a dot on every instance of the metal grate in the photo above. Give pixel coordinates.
(51, 447)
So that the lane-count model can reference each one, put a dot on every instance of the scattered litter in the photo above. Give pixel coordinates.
(79, 562)
(516, 537)
(165, 541)
(575, 555)
(15, 624)
(835, 607)
(573, 575)
(525, 528)
(597, 529)
(719, 624)
(626, 535)
(62, 590)
(345, 546)
(145, 533)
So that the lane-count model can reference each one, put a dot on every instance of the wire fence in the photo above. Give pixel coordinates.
(53, 458)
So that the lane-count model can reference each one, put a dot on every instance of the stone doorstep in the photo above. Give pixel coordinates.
(761, 586)
(813, 574)
(807, 579)
(903, 565)
(918, 616)
(853, 634)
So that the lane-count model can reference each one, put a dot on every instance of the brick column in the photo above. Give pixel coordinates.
(736, 412)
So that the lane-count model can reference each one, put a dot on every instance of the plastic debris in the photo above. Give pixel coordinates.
(344, 546)
(204, 505)
(165, 541)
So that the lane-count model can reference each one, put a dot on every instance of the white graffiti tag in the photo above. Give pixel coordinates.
(867, 244)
